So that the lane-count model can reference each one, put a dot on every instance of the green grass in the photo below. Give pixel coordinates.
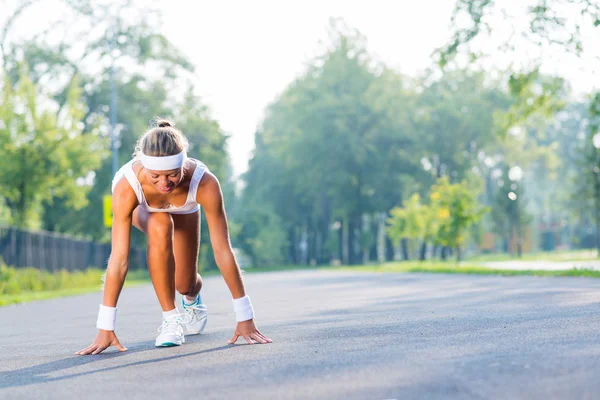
(28, 284)
(473, 269)
(570, 255)
(50, 294)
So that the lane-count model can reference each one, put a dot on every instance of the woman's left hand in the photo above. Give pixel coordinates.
(249, 331)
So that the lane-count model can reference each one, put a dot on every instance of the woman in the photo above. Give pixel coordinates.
(160, 192)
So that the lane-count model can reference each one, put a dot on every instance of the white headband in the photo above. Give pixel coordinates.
(163, 163)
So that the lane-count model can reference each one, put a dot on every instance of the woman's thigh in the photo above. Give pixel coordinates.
(186, 245)
(186, 241)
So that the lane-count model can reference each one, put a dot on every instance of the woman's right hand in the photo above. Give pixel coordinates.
(103, 341)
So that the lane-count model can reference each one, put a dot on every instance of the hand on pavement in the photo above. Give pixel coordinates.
(249, 331)
(103, 341)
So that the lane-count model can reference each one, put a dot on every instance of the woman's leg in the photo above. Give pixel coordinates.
(159, 228)
(186, 247)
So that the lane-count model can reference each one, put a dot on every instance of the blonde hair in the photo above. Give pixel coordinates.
(161, 140)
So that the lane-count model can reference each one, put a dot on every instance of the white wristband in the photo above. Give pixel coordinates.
(107, 317)
(243, 309)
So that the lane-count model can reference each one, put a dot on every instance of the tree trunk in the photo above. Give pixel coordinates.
(345, 243)
(389, 249)
(434, 251)
(404, 245)
(423, 251)
(444, 253)
(292, 246)
(352, 259)
(381, 243)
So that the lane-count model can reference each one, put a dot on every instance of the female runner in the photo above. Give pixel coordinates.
(160, 192)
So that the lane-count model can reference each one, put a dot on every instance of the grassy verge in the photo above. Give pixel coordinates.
(444, 268)
(50, 294)
(30, 284)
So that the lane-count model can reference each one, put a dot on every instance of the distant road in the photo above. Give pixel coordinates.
(547, 265)
(337, 335)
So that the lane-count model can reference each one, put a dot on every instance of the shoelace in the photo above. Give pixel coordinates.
(196, 309)
(172, 324)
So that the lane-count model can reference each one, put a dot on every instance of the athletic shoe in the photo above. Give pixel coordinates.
(171, 332)
(196, 317)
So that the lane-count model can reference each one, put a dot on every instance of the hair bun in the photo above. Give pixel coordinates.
(164, 123)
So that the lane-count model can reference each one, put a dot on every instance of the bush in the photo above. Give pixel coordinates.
(16, 281)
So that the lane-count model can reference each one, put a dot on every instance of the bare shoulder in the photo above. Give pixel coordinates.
(124, 198)
(209, 193)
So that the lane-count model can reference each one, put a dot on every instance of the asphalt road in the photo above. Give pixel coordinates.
(336, 335)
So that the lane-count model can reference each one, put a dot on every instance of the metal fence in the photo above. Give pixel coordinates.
(52, 251)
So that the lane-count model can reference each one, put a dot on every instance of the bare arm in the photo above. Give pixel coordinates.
(123, 204)
(211, 198)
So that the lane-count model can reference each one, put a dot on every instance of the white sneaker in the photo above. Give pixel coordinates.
(196, 317)
(171, 332)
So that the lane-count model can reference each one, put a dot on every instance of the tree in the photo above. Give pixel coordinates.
(509, 213)
(455, 121)
(409, 222)
(104, 43)
(458, 209)
(551, 24)
(44, 156)
(323, 144)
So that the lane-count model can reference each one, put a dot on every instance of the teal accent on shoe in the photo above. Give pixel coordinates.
(184, 304)
(167, 344)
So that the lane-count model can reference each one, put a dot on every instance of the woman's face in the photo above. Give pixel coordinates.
(165, 181)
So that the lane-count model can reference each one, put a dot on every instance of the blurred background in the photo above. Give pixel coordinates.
(343, 132)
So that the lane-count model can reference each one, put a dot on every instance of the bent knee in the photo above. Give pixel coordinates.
(160, 226)
(186, 285)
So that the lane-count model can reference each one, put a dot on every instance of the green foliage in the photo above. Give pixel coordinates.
(324, 142)
(547, 25)
(458, 207)
(261, 235)
(552, 23)
(509, 212)
(409, 222)
(534, 96)
(453, 209)
(16, 281)
(122, 36)
(455, 119)
(43, 154)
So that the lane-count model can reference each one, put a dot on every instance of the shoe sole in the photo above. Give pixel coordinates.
(168, 344)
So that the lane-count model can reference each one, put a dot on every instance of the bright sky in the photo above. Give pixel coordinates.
(247, 52)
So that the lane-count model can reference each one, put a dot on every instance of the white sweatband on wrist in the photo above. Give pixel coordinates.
(165, 163)
(107, 318)
(243, 309)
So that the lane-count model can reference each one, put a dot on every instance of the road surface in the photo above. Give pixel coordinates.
(337, 335)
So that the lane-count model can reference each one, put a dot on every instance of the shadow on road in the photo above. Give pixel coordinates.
(39, 373)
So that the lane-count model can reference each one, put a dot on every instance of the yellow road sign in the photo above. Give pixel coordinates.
(108, 217)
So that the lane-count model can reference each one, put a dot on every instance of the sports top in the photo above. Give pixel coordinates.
(190, 206)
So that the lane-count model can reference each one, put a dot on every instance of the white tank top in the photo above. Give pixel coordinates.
(190, 206)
